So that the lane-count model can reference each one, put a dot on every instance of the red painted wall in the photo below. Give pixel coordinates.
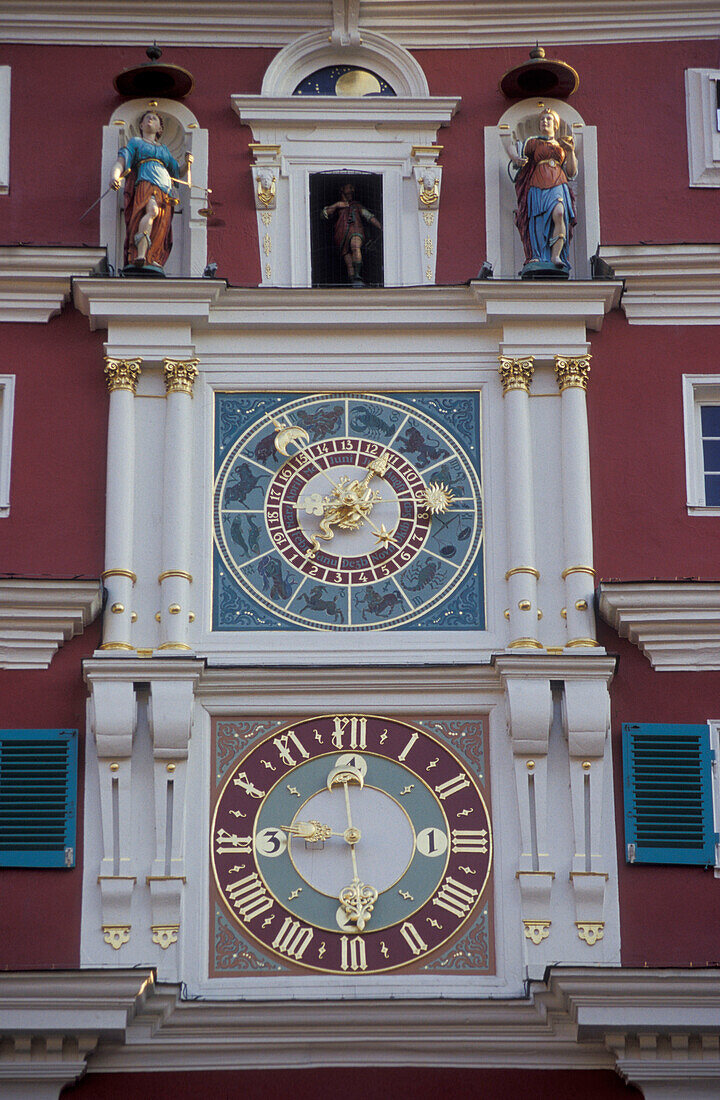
(633, 93)
(40, 910)
(669, 916)
(637, 452)
(373, 1084)
(56, 526)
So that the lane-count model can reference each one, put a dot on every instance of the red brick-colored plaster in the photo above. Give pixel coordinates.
(669, 916)
(40, 910)
(374, 1083)
(639, 112)
(637, 453)
(56, 526)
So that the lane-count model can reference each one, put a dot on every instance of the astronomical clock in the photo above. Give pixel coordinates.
(348, 512)
(350, 842)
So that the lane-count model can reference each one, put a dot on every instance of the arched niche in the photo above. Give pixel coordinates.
(299, 138)
(182, 133)
(376, 53)
(503, 245)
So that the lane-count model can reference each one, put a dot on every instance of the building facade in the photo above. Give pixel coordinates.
(360, 688)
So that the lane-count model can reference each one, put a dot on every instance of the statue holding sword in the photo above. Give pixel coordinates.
(149, 170)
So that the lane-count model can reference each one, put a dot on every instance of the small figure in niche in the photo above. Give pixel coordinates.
(546, 206)
(349, 230)
(150, 170)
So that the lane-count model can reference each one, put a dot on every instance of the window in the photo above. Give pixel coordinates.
(701, 398)
(328, 266)
(38, 798)
(7, 395)
(668, 778)
(702, 101)
(4, 129)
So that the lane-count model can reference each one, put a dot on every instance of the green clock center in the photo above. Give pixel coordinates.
(383, 851)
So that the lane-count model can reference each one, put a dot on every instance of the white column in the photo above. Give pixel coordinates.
(578, 574)
(118, 576)
(175, 579)
(521, 576)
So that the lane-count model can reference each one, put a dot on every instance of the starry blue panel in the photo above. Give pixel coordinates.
(323, 81)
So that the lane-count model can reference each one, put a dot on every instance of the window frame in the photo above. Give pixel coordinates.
(7, 407)
(4, 129)
(703, 129)
(698, 390)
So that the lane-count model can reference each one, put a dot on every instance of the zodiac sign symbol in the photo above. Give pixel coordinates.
(464, 813)
(293, 790)
(433, 763)
(406, 894)
(384, 949)
(267, 921)
(267, 764)
(295, 893)
(468, 871)
(240, 867)
(321, 949)
(406, 790)
(433, 923)
(238, 813)
(318, 737)
(383, 737)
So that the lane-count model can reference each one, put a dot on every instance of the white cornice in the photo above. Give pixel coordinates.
(487, 302)
(35, 282)
(676, 625)
(668, 284)
(329, 112)
(580, 1018)
(412, 23)
(37, 616)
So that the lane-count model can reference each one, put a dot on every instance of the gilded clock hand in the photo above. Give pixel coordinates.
(350, 505)
(313, 831)
(358, 899)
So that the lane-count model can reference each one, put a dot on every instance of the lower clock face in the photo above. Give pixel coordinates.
(351, 843)
(348, 512)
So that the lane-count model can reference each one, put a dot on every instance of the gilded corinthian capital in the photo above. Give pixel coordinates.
(180, 374)
(122, 374)
(516, 374)
(572, 372)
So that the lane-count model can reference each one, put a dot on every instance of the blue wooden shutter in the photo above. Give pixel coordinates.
(38, 798)
(668, 794)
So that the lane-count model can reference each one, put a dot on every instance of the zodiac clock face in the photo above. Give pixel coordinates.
(351, 843)
(347, 512)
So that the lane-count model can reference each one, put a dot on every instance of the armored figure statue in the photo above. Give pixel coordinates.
(349, 230)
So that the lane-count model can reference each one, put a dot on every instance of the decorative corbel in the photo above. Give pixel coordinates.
(587, 721)
(113, 719)
(530, 714)
(346, 15)
(170, 719)
(266, 178)
(428, 180)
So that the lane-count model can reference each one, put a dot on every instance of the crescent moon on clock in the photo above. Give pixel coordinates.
(290, 435)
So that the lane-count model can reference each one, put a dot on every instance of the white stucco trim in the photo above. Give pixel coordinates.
(676, 625)
(668, 284)
(453, 24)
(702, 126)
(35, 282)
(7, 408)
(4, 129)
(38, 616)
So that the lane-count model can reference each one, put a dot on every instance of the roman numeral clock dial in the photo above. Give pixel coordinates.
(351, 843)
(347, 512)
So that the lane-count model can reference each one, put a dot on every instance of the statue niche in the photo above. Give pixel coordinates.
(153, 221)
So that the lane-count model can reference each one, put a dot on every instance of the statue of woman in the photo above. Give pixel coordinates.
(546, 206)
(149, 167)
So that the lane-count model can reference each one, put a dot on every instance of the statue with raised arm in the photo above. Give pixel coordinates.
(150, 170)
(545, 213)
(349, 230)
